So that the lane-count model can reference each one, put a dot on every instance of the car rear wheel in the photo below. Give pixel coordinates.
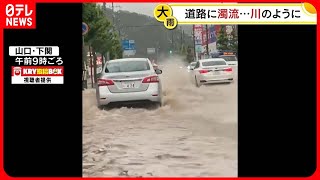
(197, 85)
(156, 105)
(101, 107)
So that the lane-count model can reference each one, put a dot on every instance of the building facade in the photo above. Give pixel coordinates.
(212, 31)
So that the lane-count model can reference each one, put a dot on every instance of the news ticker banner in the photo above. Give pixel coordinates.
(36, 65)
(235, 13)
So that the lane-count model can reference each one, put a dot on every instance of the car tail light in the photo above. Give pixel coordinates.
(151, 79)
(203, 71)
(105, 82)
(228, 69)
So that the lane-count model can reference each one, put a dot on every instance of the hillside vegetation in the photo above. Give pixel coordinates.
(149, 33)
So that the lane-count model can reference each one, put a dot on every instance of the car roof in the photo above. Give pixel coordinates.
(212, 59)
(129, 59)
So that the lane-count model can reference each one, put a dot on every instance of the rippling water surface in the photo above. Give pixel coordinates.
(193, 134)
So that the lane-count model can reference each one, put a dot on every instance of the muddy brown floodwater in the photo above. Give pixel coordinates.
(193, 134)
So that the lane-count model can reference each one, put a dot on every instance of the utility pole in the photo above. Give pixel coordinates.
(172, 40)
(194, 43)
(94, 67)
(181, 43)
(91, 64)
(183, 36)
(207, 41)
(84, 65)
(112, 7)
(116, 21)
(157, 51)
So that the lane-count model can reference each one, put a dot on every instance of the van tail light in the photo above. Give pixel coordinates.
(228, 69)
(151, 79)
(105, 82)
(203, 71)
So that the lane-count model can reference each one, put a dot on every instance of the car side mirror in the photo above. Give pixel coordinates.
(158, 71)
(99, 70)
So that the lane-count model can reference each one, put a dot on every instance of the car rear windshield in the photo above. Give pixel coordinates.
(229, 58)
(213, 63)
(127, 66)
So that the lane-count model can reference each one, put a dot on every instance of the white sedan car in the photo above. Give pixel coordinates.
(208, 71)
(232, 60)
(129, 81)
(191, 66)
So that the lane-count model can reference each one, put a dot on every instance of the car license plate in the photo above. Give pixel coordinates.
(128, 85)
(216, 72)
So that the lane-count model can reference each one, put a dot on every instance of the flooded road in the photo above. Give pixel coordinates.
(193, 134)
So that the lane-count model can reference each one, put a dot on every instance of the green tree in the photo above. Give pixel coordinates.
(233, 43)
(222, 41)
(183, 49)
(148, 33)
(116, 50)
(100, 35)
(189, 56)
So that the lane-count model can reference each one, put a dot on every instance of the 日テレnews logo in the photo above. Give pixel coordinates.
(20, 15)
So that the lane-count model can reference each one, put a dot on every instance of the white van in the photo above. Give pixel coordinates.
(232, 60)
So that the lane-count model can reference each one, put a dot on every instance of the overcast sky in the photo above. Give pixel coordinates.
(141, 8)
